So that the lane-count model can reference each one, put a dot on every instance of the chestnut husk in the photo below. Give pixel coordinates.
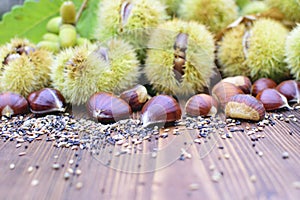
(46, 100)
(107, 108)
(160, 110)
(201, 105)
(12, 104)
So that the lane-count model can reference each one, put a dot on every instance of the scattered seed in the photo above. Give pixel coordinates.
(198, 141)
(22, 153)
(285, 155)
(79, 185)
(194, 186)
(78, 171)
(55, 166)
(253, 178)
(260, 153)
(34, 182)
(71, 161)
(212, 167)
(66, 175)
(296, 185)
(30, 169)
(12, 166)
(216, 176)
(18, 145)
(226, 155)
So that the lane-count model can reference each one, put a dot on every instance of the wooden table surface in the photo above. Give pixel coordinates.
(231, 168)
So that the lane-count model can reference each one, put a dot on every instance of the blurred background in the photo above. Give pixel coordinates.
(5, 5)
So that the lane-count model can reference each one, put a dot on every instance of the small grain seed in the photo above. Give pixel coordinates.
(166, 130)
(291, 116)
(260, 128)
(70, 170)
(212, 167)
(12, 166)
(34, 182)
(296, 185)
(194, 186)
(260, 153)
(198, 141)
(71, 161)
(18, 145)
(56, 156)
(153, 154)
(79, 185)
(66, 175)
(216, 176)
(55, 166)
(23, 153)
(30, 169)
(285, 155)
(78, 171)
(226, 155)
(253, 178)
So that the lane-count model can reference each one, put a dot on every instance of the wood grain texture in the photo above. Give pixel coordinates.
(141, 176)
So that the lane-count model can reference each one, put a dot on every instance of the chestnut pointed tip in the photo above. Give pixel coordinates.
(7, 111)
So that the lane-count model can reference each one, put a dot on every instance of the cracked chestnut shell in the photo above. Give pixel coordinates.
(161, 109)
(201, 105)
(46, 100)
(108, 108)
(12, 104)
(244, 106)
(290, 89)
(135, 97)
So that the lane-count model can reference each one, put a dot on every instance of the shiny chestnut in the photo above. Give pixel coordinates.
(290, 89)
(12, 104)
(108, 108)
(261, 84)
(46, 100)
(223, 91)
(201, 105)
(135, 97)
(242, 82)
(272, 99)
(161, 109)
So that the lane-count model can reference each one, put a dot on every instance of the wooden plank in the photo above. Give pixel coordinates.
(142, 176)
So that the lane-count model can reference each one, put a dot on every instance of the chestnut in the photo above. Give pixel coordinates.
(161, 109)
(201, 105)
(262, 84)
(244, 106)
(272, 99)
(243, 82)
(290, 89)
(223, 91)
(108, 108)
(135, 97)
(46, 100)
(12, 104)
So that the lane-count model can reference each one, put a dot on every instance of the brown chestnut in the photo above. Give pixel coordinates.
(12, 104)
(261, 84)
(223, 91)
(108, 108)
(244, 106)
(290, 89)
(161, 109)
(201, 105)
(46, 100)
(135, 97)
(272, 99)
(243, 82)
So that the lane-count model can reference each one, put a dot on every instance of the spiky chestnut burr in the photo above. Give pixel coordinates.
(25, 68)
(131, 20)
(254, 7)
(216, 14)
(292, 52)
(118, 63)
(249, 48)
(171, 6)
(74, 75)
(290, 8)
(180, 58)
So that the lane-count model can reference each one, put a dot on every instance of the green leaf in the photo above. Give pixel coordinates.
(88, 21)
(30, 19)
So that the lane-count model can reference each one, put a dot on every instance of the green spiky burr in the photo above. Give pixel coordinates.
(255, 7)
(180, 58)
(119, 65)
(253, 50)
(172, 6)
(131, 20)
(292, 52)
(289, 8)
(216, 14)
(74, 75)
(25, 68)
